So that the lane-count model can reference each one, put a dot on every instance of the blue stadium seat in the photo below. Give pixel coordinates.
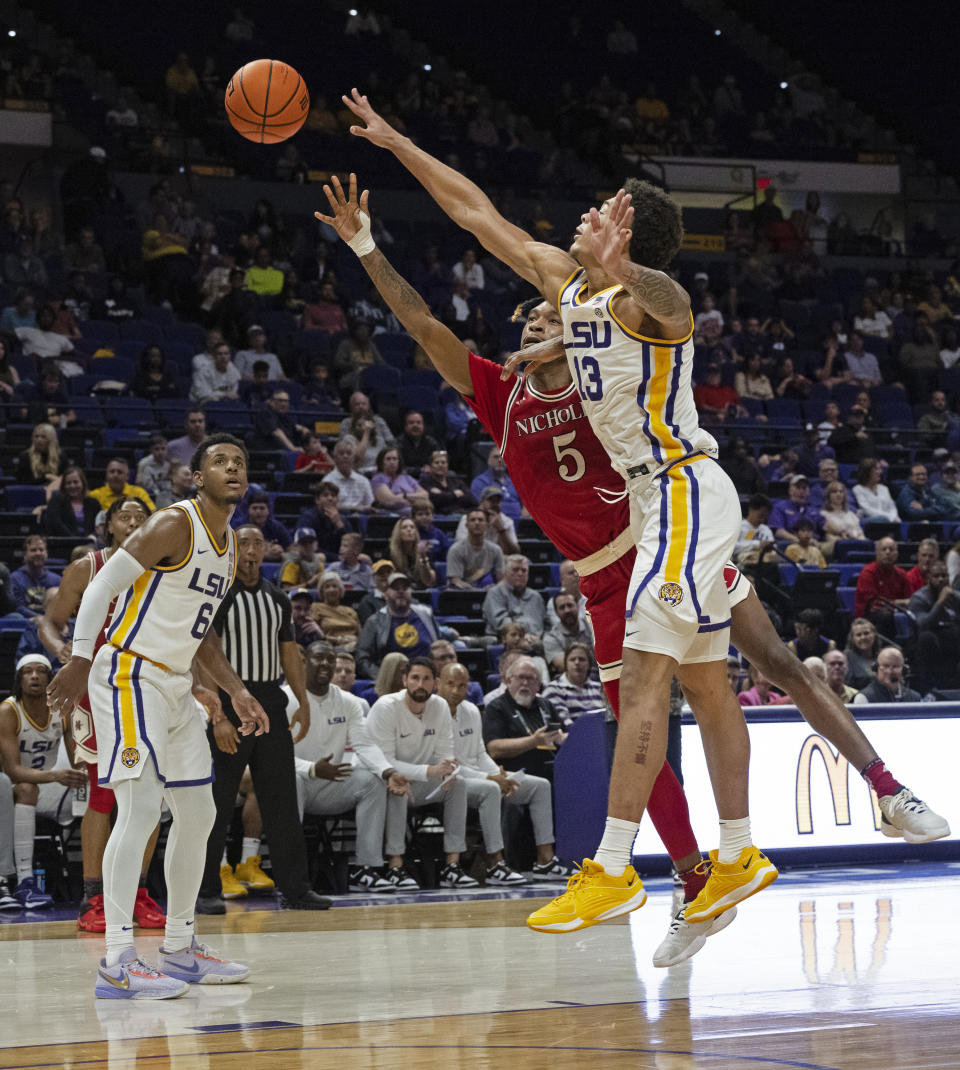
(130, 412)
(142, 331)
(396, 348)
(112, 368)
(380, 379)
(847, 596)
(422, 398)
(171, 412)
(228, 416)
(784, 411)
(188, 333)
(102, 332)
(22, 496)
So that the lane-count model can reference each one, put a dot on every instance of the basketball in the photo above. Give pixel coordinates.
(266, 101)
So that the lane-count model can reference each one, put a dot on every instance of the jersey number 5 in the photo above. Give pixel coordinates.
(563, 448)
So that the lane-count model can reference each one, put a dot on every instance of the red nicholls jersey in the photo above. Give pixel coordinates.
(555, 461)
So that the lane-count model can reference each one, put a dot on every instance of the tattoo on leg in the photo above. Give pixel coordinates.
(643, 746)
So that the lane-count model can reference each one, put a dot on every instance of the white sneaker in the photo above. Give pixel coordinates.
(367, 879)
(401, 880)
(501, 874)
(197, 965)
(454, 877)
(554, 870)
(907, 816)
(132, 978)
(686, 938)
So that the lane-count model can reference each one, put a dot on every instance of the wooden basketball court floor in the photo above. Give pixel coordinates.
(853, 969)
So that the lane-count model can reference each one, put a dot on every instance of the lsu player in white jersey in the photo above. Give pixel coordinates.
(30, 735)
(169, 578)
(673, 482)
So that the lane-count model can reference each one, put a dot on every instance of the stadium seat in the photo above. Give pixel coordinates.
(24, 497)
(143, 331)
(130, 412)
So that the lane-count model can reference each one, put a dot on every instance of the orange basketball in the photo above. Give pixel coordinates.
(266, 101)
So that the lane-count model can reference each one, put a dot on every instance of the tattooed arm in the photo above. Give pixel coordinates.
(658, 296)
(446, 352)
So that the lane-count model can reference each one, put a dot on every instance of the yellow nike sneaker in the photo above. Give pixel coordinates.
(730, 883)
(230, 887)
(252, 876)
(592, 896)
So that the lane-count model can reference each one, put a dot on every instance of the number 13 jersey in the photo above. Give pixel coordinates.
(164, 616)
(554, 459)
(636, 391)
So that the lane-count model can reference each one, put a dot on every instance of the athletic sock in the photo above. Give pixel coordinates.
(734, 837)
(178, 934)
(616, 847)
(24, 830)
(251, 847)
(223, 861)
(880, 778)
(693, 880)
(119, 938)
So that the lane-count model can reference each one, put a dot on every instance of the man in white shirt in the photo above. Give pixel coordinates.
(329, 784)
(246, 358)
(204, 359)
(44, 342)
(356, 494)
(862, 366)
(488, 785)
(218, 381)
(414, 730)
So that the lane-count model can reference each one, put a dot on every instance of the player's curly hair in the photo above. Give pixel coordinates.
(657, 225)
(524, 309)
(116, 506)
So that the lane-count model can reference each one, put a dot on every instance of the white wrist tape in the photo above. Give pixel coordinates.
(362, 242)
(119, 573)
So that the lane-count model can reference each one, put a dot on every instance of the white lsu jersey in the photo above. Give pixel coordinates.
(165, 614)
(636, 391)
(39, 747)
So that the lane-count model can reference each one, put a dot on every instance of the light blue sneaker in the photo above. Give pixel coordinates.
(132, 978)
(28, 896)
(198, 965)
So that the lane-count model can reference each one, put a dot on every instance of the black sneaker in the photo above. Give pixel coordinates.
(367, 879)
(7, 901)
(310, 900)
(401, 879)
(211, 904)
(501, 874)
(453, 877)
(554, 870)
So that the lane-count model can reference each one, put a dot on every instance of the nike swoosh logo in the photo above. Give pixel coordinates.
(195, 968)
(749, 862)
(126, 928)
(202, 551)
(124, 983)
(403, 735)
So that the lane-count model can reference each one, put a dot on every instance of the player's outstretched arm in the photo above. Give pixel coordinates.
(467, 205)
(655, 292)
(351, 220)
(533, 357)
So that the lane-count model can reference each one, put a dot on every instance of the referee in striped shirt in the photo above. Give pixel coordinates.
(255, 628)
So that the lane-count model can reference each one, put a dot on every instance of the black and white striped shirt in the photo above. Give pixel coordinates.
(252, 622)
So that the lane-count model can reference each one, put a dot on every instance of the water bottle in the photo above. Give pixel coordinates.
(40, 878)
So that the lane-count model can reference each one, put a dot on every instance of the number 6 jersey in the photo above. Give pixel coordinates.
(555, 460)
(164, 616)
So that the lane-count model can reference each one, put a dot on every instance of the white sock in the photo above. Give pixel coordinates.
(119, 938)
(223, 861)
(734, 837)
(616, 847)
(251, 847)
(177, 934)
(24, 830)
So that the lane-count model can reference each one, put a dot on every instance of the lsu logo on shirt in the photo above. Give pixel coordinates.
(671, 593)
(465, 732)
(336, 720)
(429, 732)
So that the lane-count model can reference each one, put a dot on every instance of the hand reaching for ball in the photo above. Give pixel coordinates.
(347, 219)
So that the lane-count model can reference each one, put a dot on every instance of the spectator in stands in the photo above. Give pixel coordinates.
(319, 390)
(882, 587)
(787, 512)
(9, 376)
(521, 728)
(516, 640)
(29, 583)
(7, 604)
(444, 653)
(262, 278)
(44, 342)
(356, 494)
(42, 463)
(340, 623)
(314, 457)
(257, 350)
(324, 311)
(415, 445)
(934, 307)
(402, 625)
(947, 491)
(830, 421)
(393, 489)
(863, 646)
(828, 471)
(742, 468)
(352, 568)
(499, 528)
(861, 363)
(467, 270)
(949, 349)
(448, 492)
(717, 403)
(756, 537)
(839, 521)
(370, 431)
(435, 539)
(928, 551)
(183, 93)
(889, 685)
(916, 500)
(512, 600)
(23, 267)
(46, 403)
(808, 642)
(71, 511)
(324, 518)
(496, 475)
(21, 313)
(85, 254)
(195, 424)
(811, 451)
(790, 383)
(761, 692)
(938, 423)
(305, 628)
(274, 427)
(355, 353)
(276, 538)
(155, 468)
(117, 485)
(181, 486)
(302, 565)
(751, 382)
(409, 555)
(919, 360)
(151, 379)
(219, 382)
(767, 211)
(474, 560)
(936, 609)
(835, 665)
(204, 359)
(576, 691)
(569, 628)
(709, 313)
(850, 442)
(873, 322)
(805, 551)
(373, 600)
